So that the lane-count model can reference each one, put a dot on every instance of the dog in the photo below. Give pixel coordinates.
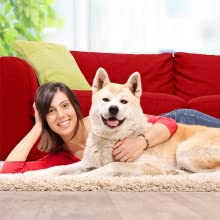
(116, 113)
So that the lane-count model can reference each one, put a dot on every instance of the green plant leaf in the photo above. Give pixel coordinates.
(10, 34)
(26, 20)
(27, 12)
(7, 8)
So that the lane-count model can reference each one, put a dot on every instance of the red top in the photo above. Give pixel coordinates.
(64, 158)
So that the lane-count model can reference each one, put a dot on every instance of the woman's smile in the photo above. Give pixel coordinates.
(64, 123)
(61, 116)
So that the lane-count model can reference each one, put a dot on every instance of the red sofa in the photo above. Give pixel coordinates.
(169, 81)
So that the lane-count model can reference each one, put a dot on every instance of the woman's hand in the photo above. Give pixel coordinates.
(37, 116)
(128, 149)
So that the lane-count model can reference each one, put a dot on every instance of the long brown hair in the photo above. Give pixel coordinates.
(50, 141)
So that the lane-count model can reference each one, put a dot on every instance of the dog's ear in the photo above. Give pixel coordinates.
(100, 80)
(134, 84)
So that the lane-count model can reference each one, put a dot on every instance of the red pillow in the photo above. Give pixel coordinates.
(207, 104)
(196, 75)
(159, 103)
(156, 69)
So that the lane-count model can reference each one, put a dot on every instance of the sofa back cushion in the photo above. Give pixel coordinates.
(208, 104)
(85, 100)
(159, 103)
(196, 75)
(156, 69)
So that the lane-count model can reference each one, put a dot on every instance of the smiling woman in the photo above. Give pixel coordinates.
(60, 115)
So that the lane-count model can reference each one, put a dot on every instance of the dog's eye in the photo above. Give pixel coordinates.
(105, 100)
(124, 101)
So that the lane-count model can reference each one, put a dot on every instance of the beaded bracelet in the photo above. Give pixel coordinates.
(146, 140)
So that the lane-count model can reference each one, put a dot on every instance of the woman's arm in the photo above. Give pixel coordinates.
(50, 160)
(132, 147)
(23, 148)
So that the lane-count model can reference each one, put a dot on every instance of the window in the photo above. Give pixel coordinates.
(140, 26)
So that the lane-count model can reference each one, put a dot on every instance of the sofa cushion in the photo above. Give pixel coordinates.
(207, 104)
(159, 103)
(156, 69)
(196, 75)
(85, 100)
(52, 62)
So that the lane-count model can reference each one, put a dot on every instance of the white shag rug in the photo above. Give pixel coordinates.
(208, 182)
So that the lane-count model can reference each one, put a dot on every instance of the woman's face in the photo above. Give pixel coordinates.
(61, 117)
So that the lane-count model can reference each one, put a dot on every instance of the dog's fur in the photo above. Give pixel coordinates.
(115, 114)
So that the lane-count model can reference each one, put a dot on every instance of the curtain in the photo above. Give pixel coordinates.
(139, 26)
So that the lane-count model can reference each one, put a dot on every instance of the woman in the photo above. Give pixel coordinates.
(63, 132)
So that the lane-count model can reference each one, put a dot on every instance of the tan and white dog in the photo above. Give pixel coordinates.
(115, 114)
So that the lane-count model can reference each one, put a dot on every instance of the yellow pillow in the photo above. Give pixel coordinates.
(52, 63)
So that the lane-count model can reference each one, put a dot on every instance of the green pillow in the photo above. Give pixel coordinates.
(52, 63)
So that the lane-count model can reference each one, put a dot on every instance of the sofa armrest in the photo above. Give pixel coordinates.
(18, 84)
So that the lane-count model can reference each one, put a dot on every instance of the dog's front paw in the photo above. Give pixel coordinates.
(172, 172)
(38, 173)
(175, 172)
(92, 173)
(86, 174)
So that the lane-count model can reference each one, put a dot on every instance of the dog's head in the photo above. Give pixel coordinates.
(115, 106)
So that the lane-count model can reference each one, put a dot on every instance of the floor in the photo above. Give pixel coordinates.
(109, 205)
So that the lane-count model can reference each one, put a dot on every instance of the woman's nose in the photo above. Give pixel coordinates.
(60, 112)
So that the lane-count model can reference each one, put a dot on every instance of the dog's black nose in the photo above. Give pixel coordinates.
(113, 109)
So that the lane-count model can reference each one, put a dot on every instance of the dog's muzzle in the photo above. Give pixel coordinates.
(112, 122)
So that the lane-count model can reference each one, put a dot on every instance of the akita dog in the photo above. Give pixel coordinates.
(115, 114)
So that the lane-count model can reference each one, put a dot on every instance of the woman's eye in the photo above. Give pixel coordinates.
(50, 110)
(124, 101)
(105, 99)
(65, 105)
